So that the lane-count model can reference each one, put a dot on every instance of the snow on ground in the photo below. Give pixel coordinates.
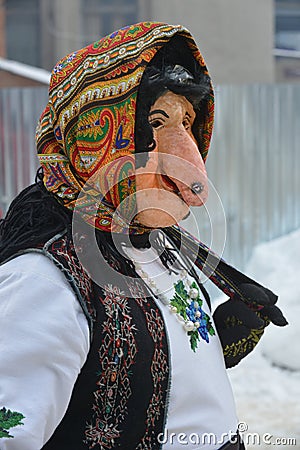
(266, 384)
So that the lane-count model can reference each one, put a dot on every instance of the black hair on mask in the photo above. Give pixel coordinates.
(174, 69)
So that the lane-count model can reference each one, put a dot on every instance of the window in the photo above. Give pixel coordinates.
(40, 32)
(287, 25)
(22, 31)
(101, 17)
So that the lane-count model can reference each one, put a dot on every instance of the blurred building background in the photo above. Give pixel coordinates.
(243, 41)
(252, 49)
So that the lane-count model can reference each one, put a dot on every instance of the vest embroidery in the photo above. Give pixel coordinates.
(116, 356)
(159, 367)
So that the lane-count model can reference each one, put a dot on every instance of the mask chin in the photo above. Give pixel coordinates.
(185, 217)
(158, 218)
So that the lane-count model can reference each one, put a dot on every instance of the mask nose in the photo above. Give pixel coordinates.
(185, 166)
(195, 193)
(197, 187)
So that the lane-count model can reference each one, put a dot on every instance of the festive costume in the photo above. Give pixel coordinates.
(90, 142)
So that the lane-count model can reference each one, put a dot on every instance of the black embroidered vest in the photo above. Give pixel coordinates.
(120, 397)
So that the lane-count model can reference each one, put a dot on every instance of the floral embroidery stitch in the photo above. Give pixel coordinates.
(159, 366)
(116, 354)
(188, 306)
(9, 419)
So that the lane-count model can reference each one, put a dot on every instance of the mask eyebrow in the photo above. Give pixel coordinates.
(159, 111)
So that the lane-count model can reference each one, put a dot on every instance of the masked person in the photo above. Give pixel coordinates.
(108, 336)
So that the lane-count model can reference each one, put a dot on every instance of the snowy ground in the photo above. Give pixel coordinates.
(268, 396)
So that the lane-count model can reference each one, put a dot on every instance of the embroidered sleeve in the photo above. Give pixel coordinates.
(44, 343)
(9, 419)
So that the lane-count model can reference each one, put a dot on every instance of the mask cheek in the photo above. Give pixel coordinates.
(146, 176)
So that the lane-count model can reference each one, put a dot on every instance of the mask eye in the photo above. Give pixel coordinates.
(156, 123)
(187, 124)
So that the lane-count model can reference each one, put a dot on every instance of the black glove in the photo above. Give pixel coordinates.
(241, 321)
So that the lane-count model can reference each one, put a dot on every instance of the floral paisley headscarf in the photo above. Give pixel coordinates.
(86, 134)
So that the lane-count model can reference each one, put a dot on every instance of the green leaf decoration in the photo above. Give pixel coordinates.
(181, 305)
(194, 338)
(194, 285)
(209, 326)
(9, 419)
(180, 289)
(211, 331)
